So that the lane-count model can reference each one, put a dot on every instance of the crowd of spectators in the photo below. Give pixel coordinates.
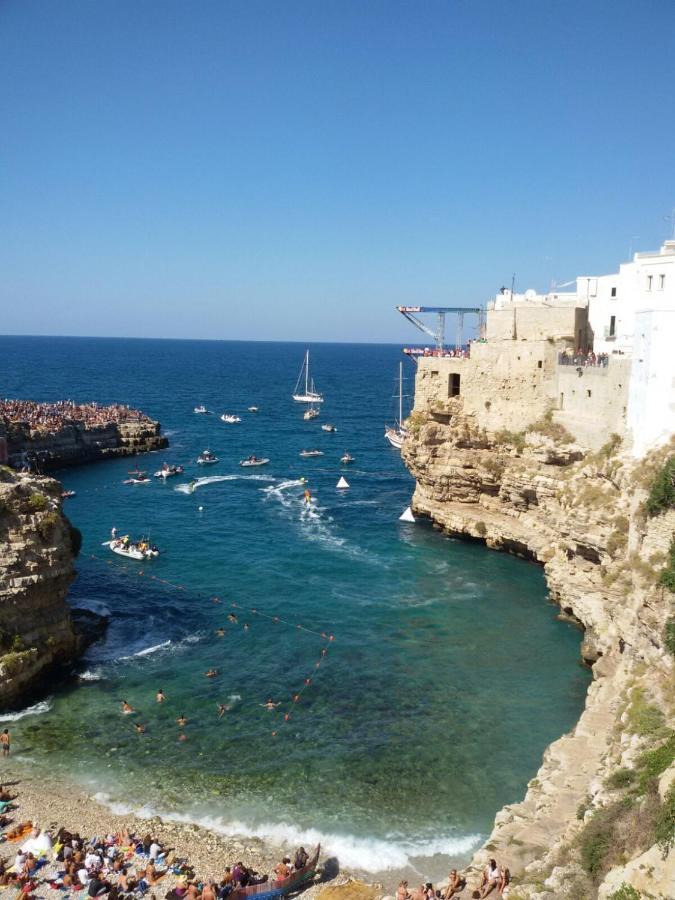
(52, 417)
(577, 358)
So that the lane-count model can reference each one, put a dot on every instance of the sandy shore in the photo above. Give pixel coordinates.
(52, 804)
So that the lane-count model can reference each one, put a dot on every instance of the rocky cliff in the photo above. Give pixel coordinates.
(78, 443)
(37, 549)
(594, 818)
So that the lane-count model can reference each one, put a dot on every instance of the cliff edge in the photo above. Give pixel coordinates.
(598, 820)
(37, 548)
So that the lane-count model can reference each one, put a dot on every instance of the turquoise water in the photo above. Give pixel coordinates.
(448, 674)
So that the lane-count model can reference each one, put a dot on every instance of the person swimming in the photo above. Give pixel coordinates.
(182, 720)
(220, 632)
(232, 618)
(127, 708)
(211, 673)
(159, 697)
(308, 497)
(270, 704)
(222, 709)
(140, 728)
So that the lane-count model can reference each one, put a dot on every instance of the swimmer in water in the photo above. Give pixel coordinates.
(245, 626)
(211, 673)
(215, 600)
(181, 720)
(232, 618)
(270, 704)
(222, 709)
(308, 497)
(159, 697)
(220, 632)
(139, 728)
(182, 737)
(127, 708)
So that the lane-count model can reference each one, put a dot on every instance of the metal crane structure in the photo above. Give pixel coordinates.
(411, 313)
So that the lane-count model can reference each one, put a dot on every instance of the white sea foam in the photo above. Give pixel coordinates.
(367, 853)
(213, 479)
(148, 650)
(91, 675)
(42, 707)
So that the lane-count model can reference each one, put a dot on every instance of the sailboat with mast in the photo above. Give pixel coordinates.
(396, 434)
(310, 394)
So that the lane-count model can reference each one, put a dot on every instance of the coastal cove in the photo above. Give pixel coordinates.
(449, 673)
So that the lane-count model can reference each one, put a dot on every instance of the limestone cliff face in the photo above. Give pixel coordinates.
(37, 549)
(76, 444)
(580, 515)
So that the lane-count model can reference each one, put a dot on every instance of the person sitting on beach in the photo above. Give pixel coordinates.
(97, 886)
(240, 875)
(402, 891)
(419, 893)
(492, 875)
(504, 887)
(208, 891)
(429, 892)
(455, 884)
(301, 857)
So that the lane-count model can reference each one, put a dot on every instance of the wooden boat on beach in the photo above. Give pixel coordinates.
(269, 890)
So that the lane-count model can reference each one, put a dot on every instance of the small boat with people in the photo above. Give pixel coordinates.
(230, 419)
(309, 394)
(66, 494)
(280, 886)
(328, 427)
(346, 458)
(307, 454)
(200, 410)
(254, 461)
(140, 549)
(253, 409)
(206, 458)
(137, 477)
(310, 413)
(169, 471)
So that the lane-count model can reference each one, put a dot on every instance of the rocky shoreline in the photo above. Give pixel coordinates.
(581, 516)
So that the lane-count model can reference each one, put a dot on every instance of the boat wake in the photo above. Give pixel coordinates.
(164, 645)
(42, 707)
(370, 854)
(213, 479)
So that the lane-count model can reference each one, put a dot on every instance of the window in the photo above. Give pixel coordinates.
(613, 293)
(539, 364)
(453, 385)
(612, 326)
(588, 394)
(649, 282)
(662, 282)
(562, 401)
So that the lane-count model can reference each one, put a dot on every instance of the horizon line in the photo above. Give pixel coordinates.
(114, 337)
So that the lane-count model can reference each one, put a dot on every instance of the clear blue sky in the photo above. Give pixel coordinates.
(293, 169)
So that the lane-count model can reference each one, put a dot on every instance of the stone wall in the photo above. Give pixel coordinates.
(75, 444)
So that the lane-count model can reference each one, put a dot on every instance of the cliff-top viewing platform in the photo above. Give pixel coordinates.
(46, 436)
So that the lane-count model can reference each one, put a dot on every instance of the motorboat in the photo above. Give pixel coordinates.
(137, 477)
(309, 394)
(206, 458)
(230, 419)
(66, 494)
(346, 458)
(310, 413)
(329, 427)
(253, 409)
(139, 550)
(168, 471)
(396, 434)
(254, 461)
(309, 453)
(200, 410)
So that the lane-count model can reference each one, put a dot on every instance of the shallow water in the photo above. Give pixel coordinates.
(448, 673)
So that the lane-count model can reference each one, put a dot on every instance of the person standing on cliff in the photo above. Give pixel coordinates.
(4, 740)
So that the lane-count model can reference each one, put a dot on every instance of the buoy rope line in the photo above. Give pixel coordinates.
(279, 620)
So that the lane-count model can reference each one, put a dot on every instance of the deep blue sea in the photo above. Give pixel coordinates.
(448, 673)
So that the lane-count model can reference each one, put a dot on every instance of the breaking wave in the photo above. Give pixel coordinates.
(42, 707)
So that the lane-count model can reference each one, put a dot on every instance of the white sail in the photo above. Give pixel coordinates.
(397, 434)
(407, 516)
(306, 393)
(342, 483)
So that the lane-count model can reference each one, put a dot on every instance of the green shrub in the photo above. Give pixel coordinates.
(653, 763)
(616, 542)
(625, 892)
(667, 576)
(37, 501)
(662, 492)
(47, 524)
(12, 661)
(546, 426)
(644, 718)
(620, 778)
(515, 439)
(16, 645)
(669, 637)
(665, 823)
(596, 840)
